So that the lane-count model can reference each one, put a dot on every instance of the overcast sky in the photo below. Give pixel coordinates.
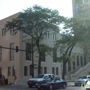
(10, 7)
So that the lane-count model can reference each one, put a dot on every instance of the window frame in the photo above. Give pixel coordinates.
(11, 52)
(25, 70)
(3, 31)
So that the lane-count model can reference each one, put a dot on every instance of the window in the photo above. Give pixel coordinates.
(89, 59)
(12, 31)
(13, 71)
(0, 54)
(11, 52)
(56, 70)
(25, 70)
(47, 34)
(69, 66)
(9, 71)
(45, 70)
(30, 67)
(3, 31)
(0, 70)
(28, 54)
(41, 69)
(81, 59)
(43, 56)
(84, 60)
(77, 60)
(53, 70)
(54, 55)
(73, 65)
(54, 36)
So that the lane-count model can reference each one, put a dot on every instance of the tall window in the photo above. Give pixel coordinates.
(25, 70)
(0, 54)
(89, 59)
(13, 71)
(12, 31)
(45, 70)
(85, 61)
(3, 31)
(54, 55)
(9, 71)
(28, 53)
(77, 60)
(47, 34)
(56, 70)
(54, 36)
(69, 66)
(41, 69)
(73, 65)
(53, 70)
(43, 56)
(11, 52)
(30, 69)
(81, 59)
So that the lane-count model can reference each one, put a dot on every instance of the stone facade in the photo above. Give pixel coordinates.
(19, 62)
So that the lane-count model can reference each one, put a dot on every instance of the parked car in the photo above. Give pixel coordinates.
(88, 85)
(39, 78)
(52, 84)
(81, 80)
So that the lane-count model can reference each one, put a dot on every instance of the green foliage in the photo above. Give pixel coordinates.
(79, 33)
(36, 19)
(36, 22)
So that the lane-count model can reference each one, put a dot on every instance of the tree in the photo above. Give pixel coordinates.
(77, 32)
(36, 22)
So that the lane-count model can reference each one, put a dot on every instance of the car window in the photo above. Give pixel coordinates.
(89, 78)
(53, 76)
(39, 76)
(46, 77)
(83, 77)
(57, 80)
(61, 79)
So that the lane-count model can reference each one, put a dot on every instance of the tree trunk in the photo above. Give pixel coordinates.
(39, 64)
(39, 60)
(64, 70)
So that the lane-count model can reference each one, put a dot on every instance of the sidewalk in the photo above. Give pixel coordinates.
(70, 83)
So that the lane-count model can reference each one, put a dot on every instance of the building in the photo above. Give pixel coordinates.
(19, 63)
(81, 7)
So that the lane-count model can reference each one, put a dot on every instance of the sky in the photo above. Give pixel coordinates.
(10, 7)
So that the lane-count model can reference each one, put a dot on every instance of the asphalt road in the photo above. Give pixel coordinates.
(70, 86)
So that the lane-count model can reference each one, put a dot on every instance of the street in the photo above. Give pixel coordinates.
(25, 87)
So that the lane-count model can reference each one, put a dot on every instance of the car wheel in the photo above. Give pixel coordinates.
(39, 88)
(50, 87)
(30, 86)
(64, 86)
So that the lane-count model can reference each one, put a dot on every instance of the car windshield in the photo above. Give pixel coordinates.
(84, 77)
(39, 76)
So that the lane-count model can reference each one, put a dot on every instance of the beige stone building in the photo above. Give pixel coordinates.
(18, 63)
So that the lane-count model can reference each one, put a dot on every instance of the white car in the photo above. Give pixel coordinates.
(88, 85)
(39, 79)
(81, 80)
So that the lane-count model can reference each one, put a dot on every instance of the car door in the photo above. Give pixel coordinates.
(56, 83)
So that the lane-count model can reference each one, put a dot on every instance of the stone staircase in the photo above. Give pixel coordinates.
(80, 71)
